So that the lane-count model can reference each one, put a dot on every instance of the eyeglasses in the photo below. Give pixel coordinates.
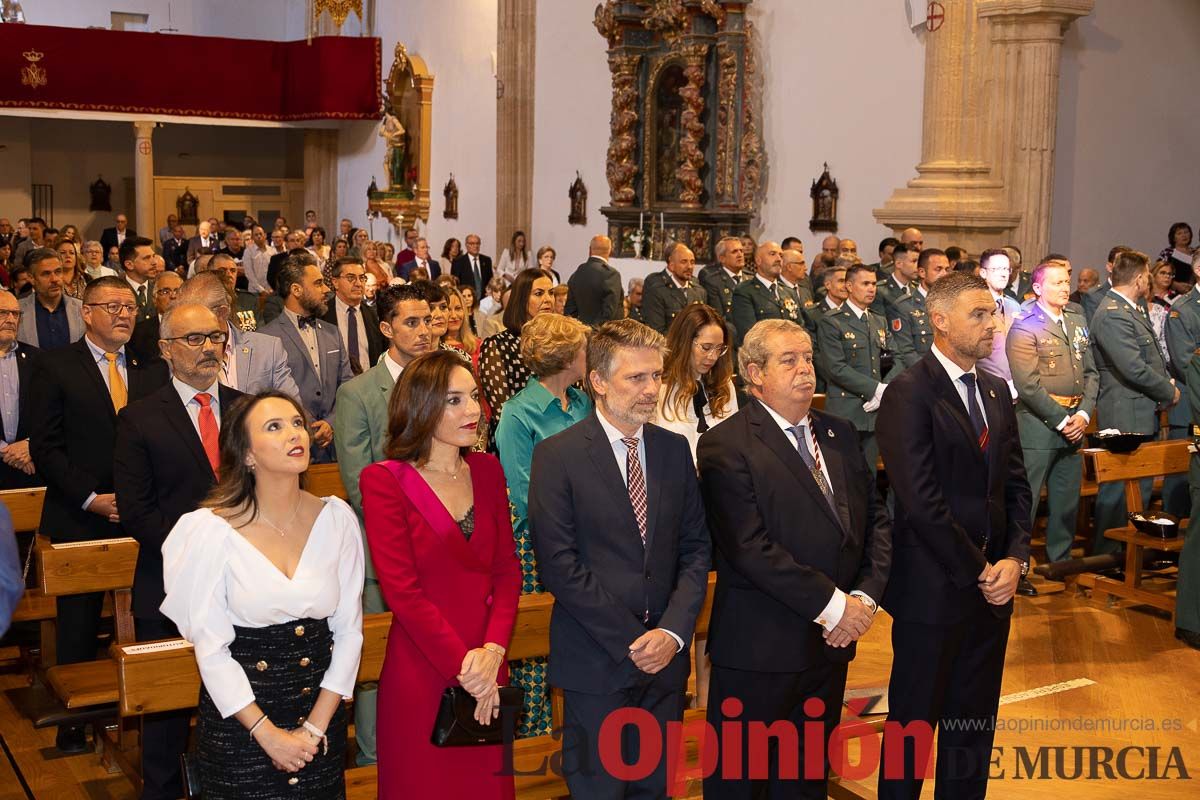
(115, 309)
(709, 349)
(353, 278)
(6, 314)
(198, 339)
(166, 292)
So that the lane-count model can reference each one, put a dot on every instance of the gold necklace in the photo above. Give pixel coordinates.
(453, 475)
(278, 529)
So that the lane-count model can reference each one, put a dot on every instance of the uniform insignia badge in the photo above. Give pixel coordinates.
(1079, 343)
(1174, 315)
(809, 303)
(897, 324)
(882, 337)
(848, 335)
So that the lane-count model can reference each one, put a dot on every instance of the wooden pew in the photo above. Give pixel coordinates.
(324, 480)
(25, 507)
(1151, 460)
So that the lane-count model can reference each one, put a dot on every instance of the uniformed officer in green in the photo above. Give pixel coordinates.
(720, 279)
(1183, 337)
(1187, 598)
(852, 342)
(244, 312)
(1053, 370)
(667, 293)
(796, 298)
(911, 330)
(758, 298)
(1134, 383)
(897, 283)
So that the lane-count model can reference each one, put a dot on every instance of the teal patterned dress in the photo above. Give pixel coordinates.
(529, 416)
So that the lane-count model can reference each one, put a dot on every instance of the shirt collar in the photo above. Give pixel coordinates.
(342, 306)
(393, 368)
(737, 276)
(783, 424)
(922, 290)
(769, 284)
(612, 433)
(783, 280)
(1123, 297)
(188, 393)
(829, 301)
(12, 352)
(98, 353)
(541, 398)
(858, 312)
(1049, 313)
(134, 283)
(953, 370)
(675, 280)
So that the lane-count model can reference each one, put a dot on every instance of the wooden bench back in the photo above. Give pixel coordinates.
(1151, 460)
(162, 676)
(81, 567)
(25, 507)
(324, 480)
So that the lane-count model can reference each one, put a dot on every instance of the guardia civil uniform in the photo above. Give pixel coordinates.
(1055, 376)
(755, 300)
(912, 331)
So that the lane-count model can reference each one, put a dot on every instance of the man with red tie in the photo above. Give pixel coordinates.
(165, 461)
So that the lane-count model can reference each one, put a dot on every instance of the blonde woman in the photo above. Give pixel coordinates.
(458, 328)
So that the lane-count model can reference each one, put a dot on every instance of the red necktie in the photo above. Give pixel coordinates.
(208, 431)
(637, 485)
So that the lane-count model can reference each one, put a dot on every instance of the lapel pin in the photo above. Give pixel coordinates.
(830, 434)
(246, 350)
(133, 361)
(992, 393)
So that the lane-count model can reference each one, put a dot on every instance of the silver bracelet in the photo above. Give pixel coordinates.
(320, 734)
(254, 727)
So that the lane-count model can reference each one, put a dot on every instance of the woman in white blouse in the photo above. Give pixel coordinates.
(514, 259)
(697, 384)
(265, 580)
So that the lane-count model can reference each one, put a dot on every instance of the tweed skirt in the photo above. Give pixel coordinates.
(285, 664)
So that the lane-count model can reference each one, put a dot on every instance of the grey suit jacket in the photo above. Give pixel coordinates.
(27, 329)
(261, 364)
(317, 392)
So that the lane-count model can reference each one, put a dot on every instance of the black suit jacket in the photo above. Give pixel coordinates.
(73, 432)
(376, 344)
(108, 239)
(175, 254)
(160, 473)
(956, 509)
(780, 549)
(10, 478)
(461, 269)
(144, 341)
(590, 555)
(595, 295)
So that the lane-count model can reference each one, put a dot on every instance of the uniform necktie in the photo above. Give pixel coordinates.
(775, 291)
(699, 401)
(116, 386)
(636, 483)
(975, 412)
(208, 431)
(812, 462)
(352, 339)
(141, 296)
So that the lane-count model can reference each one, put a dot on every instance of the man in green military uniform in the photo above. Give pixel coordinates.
(720, 279)
(1187, 599)
(883, 267)
(795, 297)
(1134, 383)
(911, 329)
(1053, 370)
(1183, 337)
(244, 312)
(897, 284)
(853, 340)
(759, 298)
(667, 293)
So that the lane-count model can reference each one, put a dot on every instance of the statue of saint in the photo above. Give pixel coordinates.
(393, 161)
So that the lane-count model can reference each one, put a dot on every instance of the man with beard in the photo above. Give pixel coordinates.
(961, 534)
(667, 293)
(314, 349)
(759, 298)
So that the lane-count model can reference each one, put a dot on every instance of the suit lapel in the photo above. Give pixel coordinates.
(244, 357)
(293, 336)
(781, 445)
(835, 465)
(656, 473)
(949, 396)
(601, 453)
(92, 370)
(179, 419)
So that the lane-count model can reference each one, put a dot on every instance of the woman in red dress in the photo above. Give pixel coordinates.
(441, 539)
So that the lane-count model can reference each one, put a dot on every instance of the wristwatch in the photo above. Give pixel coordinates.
(866, 601)
(1024, 565)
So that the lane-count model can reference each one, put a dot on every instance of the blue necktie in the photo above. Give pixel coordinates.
(975, 412)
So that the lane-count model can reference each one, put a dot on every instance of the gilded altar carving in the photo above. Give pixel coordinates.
(338, 10)
(668, 17)
(622, 165)
(726, 118)
(605, 21)
(752, 148)
(691, 157)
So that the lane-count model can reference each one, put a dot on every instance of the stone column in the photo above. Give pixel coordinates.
(321, 179)
(1026, 38)
(143, 179)
(515, 53)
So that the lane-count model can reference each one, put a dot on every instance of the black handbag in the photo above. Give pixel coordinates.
(190, 764)
(456, 726)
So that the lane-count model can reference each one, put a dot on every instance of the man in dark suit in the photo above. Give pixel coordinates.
(17, 469)
(620, 538)
(315, 355)
(205, 239)
(948, 434)
(355, 321)
(791, 600)
(77, 391)
(595, 295)
(667, 293)
(472, 268)
(145, 336)
(116, 236)
(720, 279)
(140, 264)
(409, 254)
(165, 462)
(175, 250)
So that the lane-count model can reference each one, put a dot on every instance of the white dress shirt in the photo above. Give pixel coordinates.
(392, 367)
(831, 615)
(343, 322)
(187, 395)
(955, 372)
(102, 365)
(769, 284)
(216, 579)
(308, 335)
(621, 454)
(255, 262)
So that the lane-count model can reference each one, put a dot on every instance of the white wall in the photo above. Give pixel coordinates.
(843, 84)
(456, 38)
(259, 19)
(1128, 145)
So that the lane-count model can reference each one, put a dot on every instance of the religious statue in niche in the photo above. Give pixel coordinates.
(824, 195)
(395, 158)
(450, 193)
(187, 208)
(101, 194)
(668, 124)
(578, 195)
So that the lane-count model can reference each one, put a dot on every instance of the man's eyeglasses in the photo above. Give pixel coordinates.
(115, 309)
(6, 314)
(353, 278)
(198, 339)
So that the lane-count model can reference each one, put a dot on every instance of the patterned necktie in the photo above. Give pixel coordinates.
(209, 434)
(812, 462)
(636, 483)
(352, 339)
(975, 412)
(116, 386)
(1000, 307)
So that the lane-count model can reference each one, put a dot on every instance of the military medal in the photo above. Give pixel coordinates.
(848, 335)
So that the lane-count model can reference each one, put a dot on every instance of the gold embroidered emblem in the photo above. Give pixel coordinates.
(32, 75)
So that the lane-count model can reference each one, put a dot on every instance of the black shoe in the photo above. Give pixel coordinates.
(1190, 638)
(1116, 573)
(71, 739)
(1024, 587)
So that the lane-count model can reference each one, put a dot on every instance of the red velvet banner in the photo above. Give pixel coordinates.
(334, 77)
